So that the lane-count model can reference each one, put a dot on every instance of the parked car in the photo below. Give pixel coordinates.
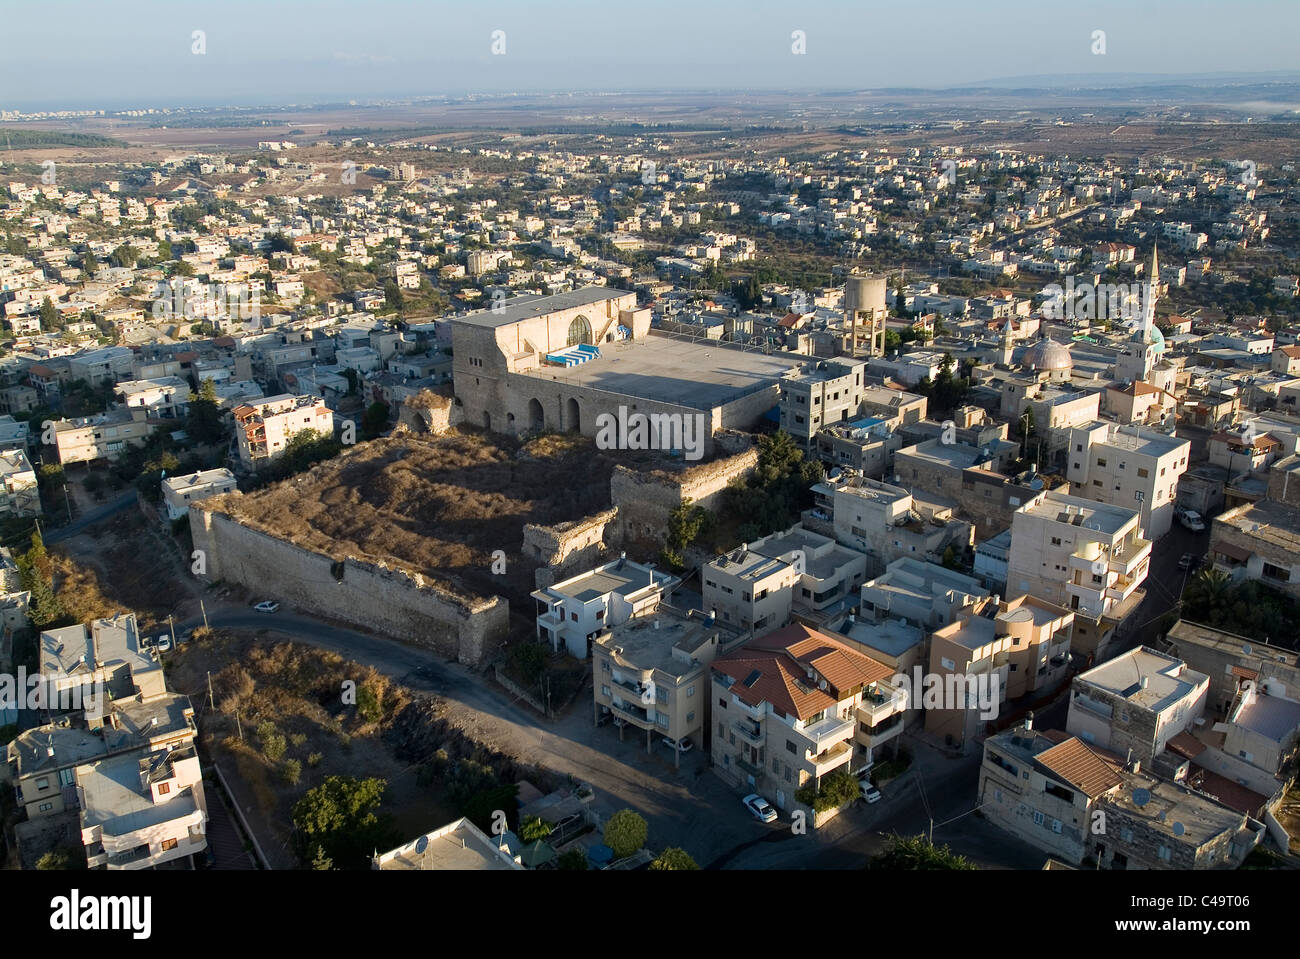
(760, 808)
(1192, 520)
(684, 746)
(869, 792)
(1189, 561)
(163, 644)
(267, 607)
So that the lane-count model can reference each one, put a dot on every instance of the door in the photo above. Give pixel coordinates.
(780, 799)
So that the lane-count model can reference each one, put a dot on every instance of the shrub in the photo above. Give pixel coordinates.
(574, 859)
(534, 828)
(673, 859)
(291, 771)
(314, 760)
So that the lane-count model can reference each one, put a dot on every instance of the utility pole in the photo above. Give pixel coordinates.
(211, 705)
(67, 501)
(204, 611)
(171, 629)
(239, 726)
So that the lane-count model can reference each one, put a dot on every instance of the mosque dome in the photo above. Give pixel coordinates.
(1047, 354)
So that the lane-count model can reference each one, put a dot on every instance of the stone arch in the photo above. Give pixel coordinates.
(572, 416)
(536, 415)
(579, 331)
(510, 423)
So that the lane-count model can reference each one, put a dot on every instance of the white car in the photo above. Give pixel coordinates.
(760, 808)
(267, 607)
(869, 792)
(684, 746)
(1192, 520)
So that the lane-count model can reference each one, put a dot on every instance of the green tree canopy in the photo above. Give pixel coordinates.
(673, 859)
(339, 820)
(916, 853)
(625, 833)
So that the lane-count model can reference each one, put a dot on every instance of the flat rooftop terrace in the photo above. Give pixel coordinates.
(697, 375)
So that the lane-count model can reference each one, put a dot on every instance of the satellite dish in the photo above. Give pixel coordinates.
(1179, 829)
(1245, 649)
(422, 844)
(1141, 797)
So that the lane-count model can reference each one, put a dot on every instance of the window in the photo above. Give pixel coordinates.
(164, 788)
(1056, 825)
(1056, 541)
(1164, 853)
(45, 806)
(168, 844)
(67, 777)
(1100, 461)
(690, 717)
(731, 738)
(1143, 474)
(790, 747)
(43, 783)
(1277, 572)
(722, 702)
(1078, 447)
(604, 690)
(1139, 496)
(722, 730)
(1038, 818)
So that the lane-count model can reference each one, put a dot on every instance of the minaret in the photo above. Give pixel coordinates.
(1149, 294)
(1005, 349)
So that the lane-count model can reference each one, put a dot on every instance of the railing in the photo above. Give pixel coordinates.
(749, 732)
(828, 732)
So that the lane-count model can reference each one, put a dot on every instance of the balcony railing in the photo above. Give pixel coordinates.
(749, 731)
(634, 714)
(831, 758)
(753, 770)
(828, 732)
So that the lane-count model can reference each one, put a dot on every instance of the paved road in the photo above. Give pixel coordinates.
(97, 515)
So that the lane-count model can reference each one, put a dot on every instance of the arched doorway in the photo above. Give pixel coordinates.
(572, 416)
(487, 420)
(536, 416)
(510, 423)
(579, 332)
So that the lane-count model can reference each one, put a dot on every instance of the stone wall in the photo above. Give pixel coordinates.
(373, 596)
(429, 412)
(570, 546)
(645, 500)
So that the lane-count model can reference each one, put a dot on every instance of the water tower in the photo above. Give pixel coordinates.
(864, 313)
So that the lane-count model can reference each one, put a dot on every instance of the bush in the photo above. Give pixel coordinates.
(673, 859)
(369, 707)
(916, 853)
(574, 859)
(625, 833)
(533, 829)
(313, 760)
(273, 743)
(837, 788)
(291, 771)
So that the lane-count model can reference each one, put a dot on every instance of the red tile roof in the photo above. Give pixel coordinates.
(1078, 765)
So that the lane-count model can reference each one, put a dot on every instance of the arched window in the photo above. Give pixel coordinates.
(579, 332)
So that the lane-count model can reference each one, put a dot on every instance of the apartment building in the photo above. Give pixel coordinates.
(1259, 541)
(105, 365)
(20, 495)
(795, 705)
(1002, 651)
(866, 445)
(820, 394)
(750, 591)
(1135, 703)
(178, 492)
(264, 428)
(882, 521)
(923, 594)
(969, 476)
(163, 398)
(103, 436)
(1088, 557)
(652, 673)
(140, 811)
(828, 574)
(1078, 802)
(571, 614)
(1131, 467)
(1231, 661)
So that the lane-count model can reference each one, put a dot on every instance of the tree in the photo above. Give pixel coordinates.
(60, 858)
(164, 251)
(338, 821)
(369, 707)
(684, 525)
(393, 298)
(673, 858)
(204, 422)
(574, 860)
(534, 829)
(625, 833)
(374, 420)
(50, 319)
(916, 853)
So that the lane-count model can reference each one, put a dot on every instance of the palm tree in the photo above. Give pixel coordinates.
(1210, 589)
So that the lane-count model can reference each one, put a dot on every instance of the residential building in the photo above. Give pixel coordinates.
(1135, 703)
(793, 706)
(866, 445)
(265, 427)
(1003, 651)
(969, 476)
(179, 491)
(820, 394)
(652, 672)
(1259, 541)
(1131, 467)
(750, 591)
(103, 436)
(163, 398)
(1230, 661)
(459, 846)
(572, 613)
(1089, 557)
(20, 495)
(924, 594)
(882, 521)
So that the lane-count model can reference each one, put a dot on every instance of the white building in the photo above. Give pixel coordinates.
(571, 614)
(180, 491)
(1131, 467)
(264, 427)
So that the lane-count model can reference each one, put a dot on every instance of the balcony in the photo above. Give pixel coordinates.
(750, 768)
(1122, 588)
(749, 731)
(753, 712)
(828, 732)
(633, 714)
(1126, 558)
(631, 687)
(877, 707)
(133, 859)
(832, 758)
(882, 732)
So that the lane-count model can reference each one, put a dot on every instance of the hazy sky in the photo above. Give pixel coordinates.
(100, 53)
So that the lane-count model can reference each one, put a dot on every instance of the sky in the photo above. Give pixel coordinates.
(120, 53)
